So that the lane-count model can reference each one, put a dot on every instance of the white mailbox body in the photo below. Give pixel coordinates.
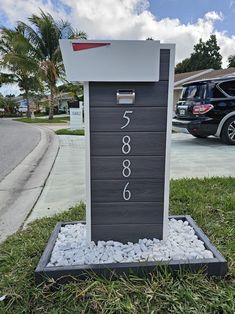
(76, 118)
(128, 100)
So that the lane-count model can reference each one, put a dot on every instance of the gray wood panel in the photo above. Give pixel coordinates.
(103, 94)
(127, 213)
(164, 64)
(141, 216)
(142, 143)
(141, 119)
(126, 232)
(140, 167)
(108, 191)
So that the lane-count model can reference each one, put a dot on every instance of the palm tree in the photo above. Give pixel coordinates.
(18, 64)
(43, 34)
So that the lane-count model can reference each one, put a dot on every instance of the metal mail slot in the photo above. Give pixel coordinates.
(125, 96)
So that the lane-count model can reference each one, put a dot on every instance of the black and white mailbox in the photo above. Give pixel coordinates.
(128, 101)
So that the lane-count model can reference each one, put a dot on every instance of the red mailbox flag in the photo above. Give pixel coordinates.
(83, 46)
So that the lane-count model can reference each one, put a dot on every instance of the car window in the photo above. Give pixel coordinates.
(216, 93)
(228, 87)
(194, 92)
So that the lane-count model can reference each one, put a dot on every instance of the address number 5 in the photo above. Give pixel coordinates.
(127, 118)
(126, 193)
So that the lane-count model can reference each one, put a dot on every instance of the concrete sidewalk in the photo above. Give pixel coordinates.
(66, 185)
(190, 157)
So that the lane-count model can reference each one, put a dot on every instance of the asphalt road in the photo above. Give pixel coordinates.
(17, 140)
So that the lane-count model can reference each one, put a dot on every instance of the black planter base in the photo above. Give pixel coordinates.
(216, 266)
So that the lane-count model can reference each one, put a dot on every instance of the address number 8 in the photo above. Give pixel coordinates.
(126, 147)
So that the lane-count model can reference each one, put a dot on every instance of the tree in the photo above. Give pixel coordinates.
(206, 55)
(75, 90)
(17, 64)
(183, 66)
(8, 104)
(231, 61)
(43, 34)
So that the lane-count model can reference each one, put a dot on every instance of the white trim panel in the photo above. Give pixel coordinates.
(171, 47)
(87, 156)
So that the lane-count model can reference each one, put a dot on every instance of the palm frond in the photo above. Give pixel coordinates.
(20, 63)
(6, 78)
(34, 39)
(31, 51)
(76, 34)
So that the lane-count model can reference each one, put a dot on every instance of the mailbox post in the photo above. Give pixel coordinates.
(128, 87)
(76, 118)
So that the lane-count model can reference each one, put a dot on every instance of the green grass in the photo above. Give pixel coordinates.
(69, 132)
(40, 114)
(211, 202)
(42, 120)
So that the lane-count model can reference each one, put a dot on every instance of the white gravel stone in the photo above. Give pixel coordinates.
(72, 248)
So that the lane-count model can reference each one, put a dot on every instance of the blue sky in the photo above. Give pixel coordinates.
(188, 11)
(182, 22)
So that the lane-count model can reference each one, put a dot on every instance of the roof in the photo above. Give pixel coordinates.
(214, 79)
(187, 77)
(217, 74)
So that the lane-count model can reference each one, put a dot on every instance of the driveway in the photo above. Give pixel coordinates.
(190, 157)
(193, 157)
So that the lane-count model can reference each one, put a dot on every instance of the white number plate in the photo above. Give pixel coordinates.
(182, 112)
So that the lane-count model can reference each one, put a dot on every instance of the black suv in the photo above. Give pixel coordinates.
(207, 107)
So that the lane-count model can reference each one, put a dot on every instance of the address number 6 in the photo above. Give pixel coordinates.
(126, 193)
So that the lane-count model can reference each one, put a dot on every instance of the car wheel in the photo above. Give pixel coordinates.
(228, 132)
(199, 136)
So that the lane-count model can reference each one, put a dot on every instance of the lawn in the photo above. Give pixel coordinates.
(43, 120)
(69, 132)
(211, 202)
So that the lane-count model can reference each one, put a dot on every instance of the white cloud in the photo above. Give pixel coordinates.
(125, 19)
(16, 10)
(214, 16)
(131, 19)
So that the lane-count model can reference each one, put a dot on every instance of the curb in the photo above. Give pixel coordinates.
(23, 186)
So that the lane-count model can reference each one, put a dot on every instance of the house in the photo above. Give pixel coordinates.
(63, 100)
(22, 104)
(182, 78)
